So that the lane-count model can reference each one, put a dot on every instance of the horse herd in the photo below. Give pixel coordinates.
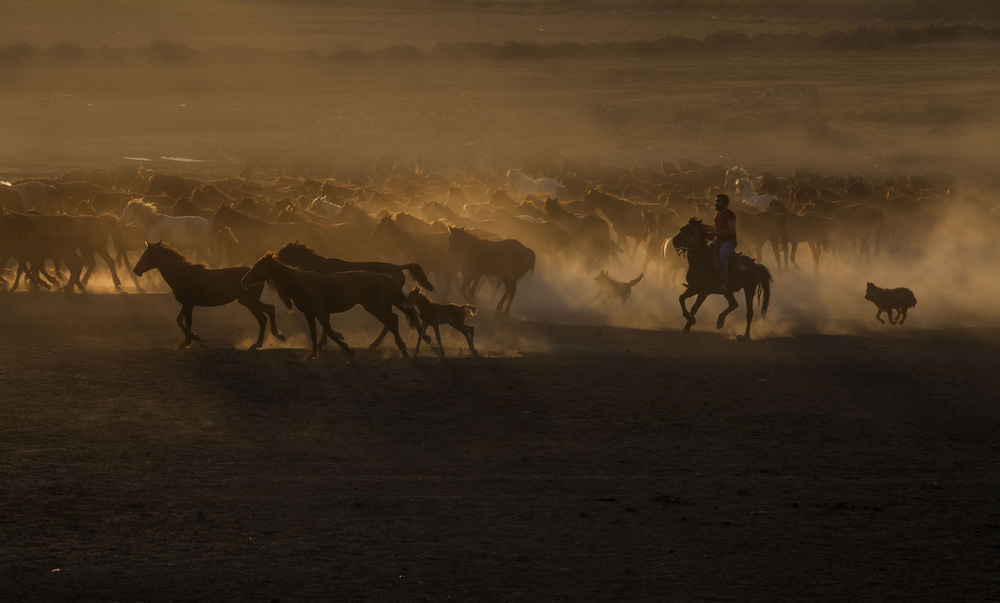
(328, 246)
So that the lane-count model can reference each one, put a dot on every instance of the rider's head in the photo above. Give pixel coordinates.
(721, 202)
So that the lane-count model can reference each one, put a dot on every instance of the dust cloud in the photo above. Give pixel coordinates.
(192, 87)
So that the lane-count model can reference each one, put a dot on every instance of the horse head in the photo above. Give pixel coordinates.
(261, 271)
(692, 235)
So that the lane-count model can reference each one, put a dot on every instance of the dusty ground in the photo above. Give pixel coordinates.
(568, 463)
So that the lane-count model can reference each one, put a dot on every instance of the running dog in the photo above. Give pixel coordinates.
(610, 289)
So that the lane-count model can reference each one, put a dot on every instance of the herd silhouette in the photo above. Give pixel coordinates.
(325, 247)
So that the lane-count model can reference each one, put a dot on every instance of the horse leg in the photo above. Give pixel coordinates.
(334, 335)
(437, 333)
(378, 340)
(684, 311)
(733, 304)
(901, 317)
(509, 289)
(892, 320)
(420, 337)
(269, 310)
(183, 321)
(110, 261)
(878, 316)
(311, 321)
(388, 318)
(748, 293)
(260, 312)
(469, 331)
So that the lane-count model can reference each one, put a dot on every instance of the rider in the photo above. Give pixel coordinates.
(725, 235)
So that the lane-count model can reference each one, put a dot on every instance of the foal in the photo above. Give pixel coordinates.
(435, 314)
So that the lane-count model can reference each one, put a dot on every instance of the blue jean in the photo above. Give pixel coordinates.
(725, 249)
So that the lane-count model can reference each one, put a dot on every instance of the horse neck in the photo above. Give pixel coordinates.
(172, 269)
(145, 216)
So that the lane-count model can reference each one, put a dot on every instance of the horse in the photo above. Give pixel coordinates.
(523, 186)
(508, 259)
(428, 249)
(702, 276)
(759, 202)
(97, 231)
(186, 233)
(196, 285)
(258, 236)
(590, 235)
(317, 295)
(625, 217)
(434, 314)
(33, 238)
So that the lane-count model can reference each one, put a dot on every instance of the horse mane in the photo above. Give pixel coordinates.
(704, 229)
(296, 247)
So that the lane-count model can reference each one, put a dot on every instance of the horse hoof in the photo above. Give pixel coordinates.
(254, 347)
(195, 338)
(742, 338)
(720, 324)
(279, 336)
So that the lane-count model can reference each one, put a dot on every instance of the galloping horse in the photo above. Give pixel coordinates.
(508, 259)
(317, 295)
(702, 276)
(625, 217)
(187, 233)
(428, 249)
(195, 285)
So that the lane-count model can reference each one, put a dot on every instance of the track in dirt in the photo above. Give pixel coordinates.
(595, 463)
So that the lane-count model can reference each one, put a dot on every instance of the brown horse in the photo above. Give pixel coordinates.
(317, 295)
(195, 285)
(508, 259)
(703, 280)
(434, 314)
(428, 249)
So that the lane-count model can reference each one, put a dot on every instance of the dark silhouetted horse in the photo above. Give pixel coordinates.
(507, 259)
(317, 295)
(703, 280)
(195, 285)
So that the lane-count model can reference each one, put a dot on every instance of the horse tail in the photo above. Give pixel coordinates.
(472, 309)
(764, 281)
(417, 272)
(636, 280)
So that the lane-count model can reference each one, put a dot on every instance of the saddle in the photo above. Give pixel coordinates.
(739, 267)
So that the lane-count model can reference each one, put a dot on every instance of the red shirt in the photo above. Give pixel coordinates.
(722, 220)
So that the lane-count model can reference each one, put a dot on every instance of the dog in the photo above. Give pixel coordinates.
(610, 289)
(887, 300)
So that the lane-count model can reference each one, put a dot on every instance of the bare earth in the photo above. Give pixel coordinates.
(596, 463)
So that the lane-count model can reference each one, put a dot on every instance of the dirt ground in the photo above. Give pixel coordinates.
(568, 463)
